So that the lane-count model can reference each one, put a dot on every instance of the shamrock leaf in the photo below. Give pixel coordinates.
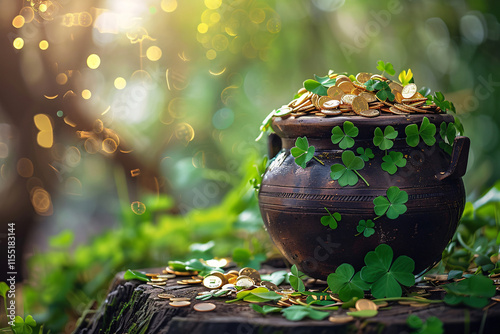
(344, 138)
(347, 174)
(276, 277)
(440, 101)
(325, 81)
(387, 277)
(426, 132)
(243, 257)
(405, 77)
(23, 326)
(384, 91)
(299, 312)
(331, 220)
(346, 283)
(131, 274)
(448, 132)
(366, 227)
(302, 152)
(265, 309)
(385, 67)
(474, 291)
(384, 140)
(392, 162)
(393, 205)
(295, 279)
(365, 154)
(315, 87)
(431, 326)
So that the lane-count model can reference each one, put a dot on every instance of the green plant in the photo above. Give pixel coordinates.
(131, 274)
(244, 258)
(405, 77)
(448, 132)
(474, 291)
(384, 140)
(320, 85)
(385, 67)
(383, 90)
(427, 132)
(302, 152)
(392, 161)
(393, 205)
(366, 227)
(299, 312)
(265, 309)
(366, 155)
(346, 283)
(347, 174)
(385, 276)
(331, 220)
(256, 295)
(439, 100)
(432, 325)
(345, 137)
(295, 279)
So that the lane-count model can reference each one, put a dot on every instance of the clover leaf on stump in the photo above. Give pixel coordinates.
(385, 276)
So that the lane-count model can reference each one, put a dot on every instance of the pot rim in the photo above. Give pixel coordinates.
(313, 126)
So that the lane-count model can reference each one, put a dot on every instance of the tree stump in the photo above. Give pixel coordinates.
(134, 307)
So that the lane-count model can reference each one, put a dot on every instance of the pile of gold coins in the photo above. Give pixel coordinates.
(350, 98)
(245, 278)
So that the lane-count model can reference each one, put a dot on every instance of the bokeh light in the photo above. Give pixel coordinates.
(120, 83)
(153, 53)
(43, 45)
(86, 94)
(138, 208)
(25, 167)
(169, 5)
(45, 135)
(18, 21)
(213, 4)
(18, 43)
(93, 61)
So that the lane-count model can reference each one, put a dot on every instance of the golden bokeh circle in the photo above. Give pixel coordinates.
(18, 21)
(153, 53)
(138, 208)
(257, 15)
(220, 42)
(25, 167)
(28, 14)
(86, 94)
(109, 146)
(184, 132)
(168, 5)
(61, 78)
(211, 54)
(93, 61)
(91, 145)
(213, 4)
(18, 43)
(202, 28)
(120, 83)
(43, 45)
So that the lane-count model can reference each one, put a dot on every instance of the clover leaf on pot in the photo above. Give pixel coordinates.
(320, 85)
(394, 205)
(346, 283)
(331, 220)
(427, 132)
(347, 174)
(345, 137)
(385, 276)
(448, 132)
(365, 154)
(384, 140)
(392, 161)
(302, 152)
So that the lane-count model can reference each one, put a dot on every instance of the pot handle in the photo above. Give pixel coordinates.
(459, 158)
(274, 145)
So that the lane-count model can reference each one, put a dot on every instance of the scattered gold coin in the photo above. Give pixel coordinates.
(165, 296)
(157, 283)
(340, 319)
(192, 281)
(179, 299)
(365, 304)
(359, 104)
(409, 90)
(204, 307)
(179, 303)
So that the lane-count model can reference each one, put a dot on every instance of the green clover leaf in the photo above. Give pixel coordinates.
(384, 140)
(392, 162)
(448, 132)
(23, 326)
(474, 291)
(393, 205)
(345, 138)
(132, 274)
(387, 277)
(431, 326)
(385, 67)
(265, 309)
(295, 279)
(366, 227)
(3, 289)
(326, 80)
(405, 77)
(347, 174)
(384, 91)
(299, 312)
(427, 132)
(331, 220)
(346, 283)
(315, 87)
(365, 154)
(302, 152)
(440, 101)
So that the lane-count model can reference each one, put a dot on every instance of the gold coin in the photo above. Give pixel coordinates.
(341, 78)
(314, 100)
(395, 86)
(341, 319)
(330, 104)
(397, 111)
(348, 98)
(369, 113)
(165, 296)
(245, 281)
(232, 279)
(152, 275)
(382, 304)
(247, 271)
(335, 93)
(304, 97)
(409, 91)
(233, 272)
(368, 96)
(302, 91)
(363, 77)
(346, 86)
(271, 286)
(419, 304)
(204, 307)
(365, 304)
(157, 283)
(356, 91)
(180, 303)
(378, 77)
(418, 99)
(323, 99)
(167, 276)
(285, 110)
(331, 112)
(179, 299)
(359, 104)
(191, 281)
(398, 97)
